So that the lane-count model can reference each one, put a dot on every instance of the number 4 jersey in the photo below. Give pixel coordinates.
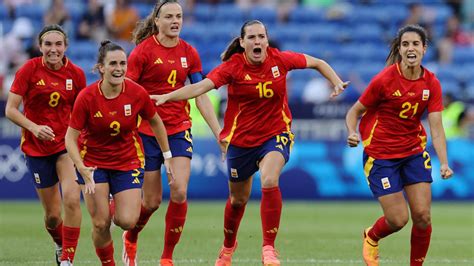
(109, 136)
(48, 96)
(391, 127)
(161, 70)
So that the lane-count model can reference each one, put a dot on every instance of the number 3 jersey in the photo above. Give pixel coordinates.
(48, 96)
(257, 107)
(109, 136)
(161, 70)
(391, 127)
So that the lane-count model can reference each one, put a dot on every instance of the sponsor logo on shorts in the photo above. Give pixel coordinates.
(233, 173)
(386, 183)
(37, 178)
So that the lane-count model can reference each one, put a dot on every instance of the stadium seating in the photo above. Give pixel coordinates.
(357, 41)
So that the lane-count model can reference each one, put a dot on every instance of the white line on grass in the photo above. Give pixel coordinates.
(285, 261)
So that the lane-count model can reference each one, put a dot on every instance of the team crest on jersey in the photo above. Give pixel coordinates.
(275, 72)
(426, 95)
(68, 84)
(128, 109)
(184, 62)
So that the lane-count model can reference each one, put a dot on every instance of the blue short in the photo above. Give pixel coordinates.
(43, 169)
(181, 145)
(118, 180)
(391, 175)
(242, 163)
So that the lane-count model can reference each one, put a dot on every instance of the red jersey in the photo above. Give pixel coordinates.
(48, 96)
(109, 136)
(257, 107)
(391, 127)
(161, 70)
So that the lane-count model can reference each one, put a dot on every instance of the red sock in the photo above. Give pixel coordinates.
(420, 242)
(232, 218)
(380, 229)
(70, 238)
(174, 220)
(106, 255)
(57, 234)
(132, 235)
(270, 212)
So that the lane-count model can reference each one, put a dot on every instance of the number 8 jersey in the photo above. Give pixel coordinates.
(48, 96)
(391, 127)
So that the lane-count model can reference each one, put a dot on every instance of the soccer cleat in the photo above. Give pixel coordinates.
(225, 256)
(270, 256)
(129, 252)
(370, 250)
(58, 252)
(166, 262)
(66, 263)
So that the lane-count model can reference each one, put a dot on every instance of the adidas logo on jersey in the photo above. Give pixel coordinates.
(397, 93)
(279, 146)
(247, 77)
(98, 114)
(41, 83)
(158, 61)
(190, 149)
(136, 181)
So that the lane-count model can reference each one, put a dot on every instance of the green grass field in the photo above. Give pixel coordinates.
(311, 233)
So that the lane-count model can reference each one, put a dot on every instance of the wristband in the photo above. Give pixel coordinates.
(167, 155)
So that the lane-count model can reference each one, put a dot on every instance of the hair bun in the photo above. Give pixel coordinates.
(105, 42)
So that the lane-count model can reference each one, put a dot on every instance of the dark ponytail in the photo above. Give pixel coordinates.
(234, 46)
(147, 27)
(394, 55)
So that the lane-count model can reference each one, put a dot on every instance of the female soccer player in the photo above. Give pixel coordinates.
(48, 86)
(109, 157)
(161, 62)
(256, 126)
(395, 159)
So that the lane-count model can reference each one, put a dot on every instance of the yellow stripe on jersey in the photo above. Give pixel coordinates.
(140, 155)
(84, 150)
(234, 127)
(423, 139)
(286, 119)
(22, 137)
(367, 167)
(187, 108)
(139, 121)
(367, 141)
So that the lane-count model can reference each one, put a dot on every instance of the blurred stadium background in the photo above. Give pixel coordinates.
(351, 35)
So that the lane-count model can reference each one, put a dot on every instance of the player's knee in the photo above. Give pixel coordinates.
(152, 204)
(421, 219)
(397, 223)
(52, 220)
(178, 196)
(125, 224)
(237, 202)
(269, 181)
(72, 202)
(101, 227)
